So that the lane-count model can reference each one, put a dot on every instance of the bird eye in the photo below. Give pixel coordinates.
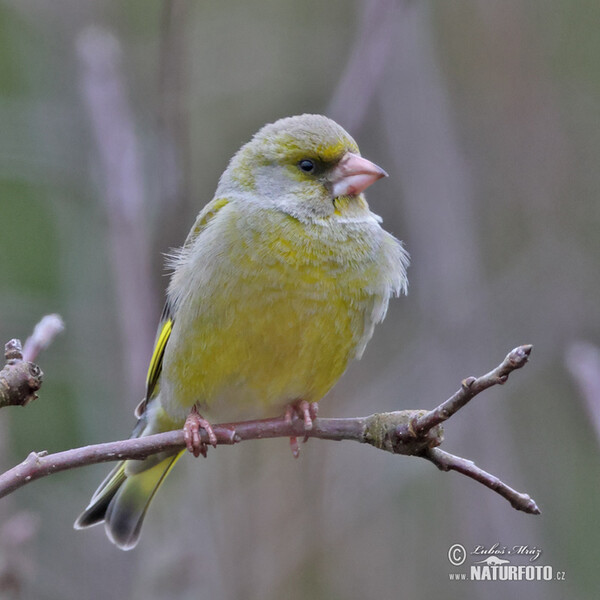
(307, 165)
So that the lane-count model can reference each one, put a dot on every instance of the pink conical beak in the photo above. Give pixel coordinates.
(354, 174)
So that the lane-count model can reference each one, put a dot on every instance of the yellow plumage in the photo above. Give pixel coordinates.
(278, 286)
(276, 318)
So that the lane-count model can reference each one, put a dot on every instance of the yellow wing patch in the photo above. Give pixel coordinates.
(157, 356)
(155, 367)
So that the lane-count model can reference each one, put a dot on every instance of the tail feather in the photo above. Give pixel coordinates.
(102, 497)
(123, 498)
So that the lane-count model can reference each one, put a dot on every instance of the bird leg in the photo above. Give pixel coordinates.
(307, 411)
(191, 433)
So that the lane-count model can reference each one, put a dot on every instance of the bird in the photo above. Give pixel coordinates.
(277, 288)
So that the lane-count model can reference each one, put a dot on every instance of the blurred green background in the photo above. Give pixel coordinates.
(116, 120)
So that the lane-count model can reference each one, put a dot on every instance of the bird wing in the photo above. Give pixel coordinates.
(165, 325)
(162, 337)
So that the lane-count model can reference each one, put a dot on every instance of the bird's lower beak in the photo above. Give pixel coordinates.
(354, 174)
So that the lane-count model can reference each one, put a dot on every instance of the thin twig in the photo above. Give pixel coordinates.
(20, 378)
(40, 464)
(471, 386)
(43, 335)
(448, 462)
(408, 432)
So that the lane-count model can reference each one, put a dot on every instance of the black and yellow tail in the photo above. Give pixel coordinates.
(123, 498)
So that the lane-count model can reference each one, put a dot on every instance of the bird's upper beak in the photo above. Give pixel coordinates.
(354, 174)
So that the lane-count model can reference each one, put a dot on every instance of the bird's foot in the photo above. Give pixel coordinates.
(191, 433)
(307, 411)
(301, 409)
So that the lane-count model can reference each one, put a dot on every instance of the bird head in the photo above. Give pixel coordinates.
(307, 166)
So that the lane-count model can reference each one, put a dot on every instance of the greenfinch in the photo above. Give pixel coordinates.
(278, 285)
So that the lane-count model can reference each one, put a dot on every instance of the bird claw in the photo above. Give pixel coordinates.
(307, 411)
(294, 447)
(191, 433)
(301, 409)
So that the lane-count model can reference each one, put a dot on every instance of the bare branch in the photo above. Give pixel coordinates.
(448, 462)
(377, 430)
(471, 386)
(20, 378)
(43, 335)
(408, 432)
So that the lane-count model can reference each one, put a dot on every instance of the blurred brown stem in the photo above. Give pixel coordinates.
(583, 362)
(120, 166)
(408, 432)
(365, 69)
